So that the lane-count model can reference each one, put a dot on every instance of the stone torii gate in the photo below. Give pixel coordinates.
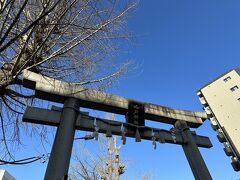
(69, 118)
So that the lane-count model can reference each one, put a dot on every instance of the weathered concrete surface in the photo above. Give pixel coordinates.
(57, 91)
(86, 123)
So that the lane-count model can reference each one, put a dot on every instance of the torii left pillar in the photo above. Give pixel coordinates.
(59, 160)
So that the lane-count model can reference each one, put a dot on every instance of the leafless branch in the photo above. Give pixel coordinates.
(70, 40)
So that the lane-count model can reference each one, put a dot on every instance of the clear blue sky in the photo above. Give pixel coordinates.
(182, 45)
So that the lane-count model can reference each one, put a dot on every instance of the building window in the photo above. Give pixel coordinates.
(227, 79)
(234, 88)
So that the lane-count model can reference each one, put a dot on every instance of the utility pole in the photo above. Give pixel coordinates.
(113, 150)
(117, 174)
(110, 152)
(110, 116)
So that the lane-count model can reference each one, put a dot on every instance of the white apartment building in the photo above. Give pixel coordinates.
(4, 175)
(221, 101)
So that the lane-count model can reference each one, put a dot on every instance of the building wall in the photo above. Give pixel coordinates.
(221, 99)
(4, 175)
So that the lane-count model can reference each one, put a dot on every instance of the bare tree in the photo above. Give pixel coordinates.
(103, 165)
(106, 164)
(88, 165)
(71, 40)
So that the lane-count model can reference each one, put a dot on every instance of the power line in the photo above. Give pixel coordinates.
(43, 157)
(26, 160)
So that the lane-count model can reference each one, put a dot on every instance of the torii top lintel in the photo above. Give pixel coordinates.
(57, 91)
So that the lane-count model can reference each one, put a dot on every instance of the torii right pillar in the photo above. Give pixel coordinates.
(194, 157)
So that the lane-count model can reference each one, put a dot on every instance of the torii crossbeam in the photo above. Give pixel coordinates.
(58, 91)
